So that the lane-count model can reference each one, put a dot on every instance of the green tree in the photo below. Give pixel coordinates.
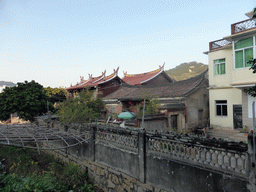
(56, 94)
(27, 99)
(81, 109)
(151, 107)
(252, 91)
(254, 13)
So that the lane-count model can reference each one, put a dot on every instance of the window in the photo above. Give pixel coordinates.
(221, 108)
(219, 67)
(243, 52)
(112, 110)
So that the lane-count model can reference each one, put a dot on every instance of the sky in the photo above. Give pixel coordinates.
(54, 42)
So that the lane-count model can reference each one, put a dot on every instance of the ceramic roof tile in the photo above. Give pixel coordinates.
(93, 81)
(138, 79)
(175, 89)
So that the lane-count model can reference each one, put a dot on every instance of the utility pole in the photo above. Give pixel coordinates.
(142, 124)
(253, 136)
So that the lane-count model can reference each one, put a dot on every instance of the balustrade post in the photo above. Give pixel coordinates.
(251, 164)
(93, 131)
(142, 155)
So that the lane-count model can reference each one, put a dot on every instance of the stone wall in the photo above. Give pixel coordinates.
(130, 160)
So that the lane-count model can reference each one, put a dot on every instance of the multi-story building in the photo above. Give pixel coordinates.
(230, 77)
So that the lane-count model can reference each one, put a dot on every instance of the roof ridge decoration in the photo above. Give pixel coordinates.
(90, 79)
(81, 79)
(102, 76)
(111, 76)
(154, 71)
(161, 69)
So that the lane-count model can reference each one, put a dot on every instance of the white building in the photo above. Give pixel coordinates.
(230, 77)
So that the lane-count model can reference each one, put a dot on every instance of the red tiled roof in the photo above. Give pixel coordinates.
(175, 89)
(138, 79)
(93, 81)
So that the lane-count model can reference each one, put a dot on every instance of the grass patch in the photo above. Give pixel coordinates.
(26, 170)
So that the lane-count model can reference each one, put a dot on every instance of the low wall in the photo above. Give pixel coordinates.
(129, 160)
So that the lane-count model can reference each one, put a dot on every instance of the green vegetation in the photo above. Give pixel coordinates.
(151, 107)
(27, 99)
(186, 70)
(81, 109)
(252, 91)
(56, 94)
(25, 170)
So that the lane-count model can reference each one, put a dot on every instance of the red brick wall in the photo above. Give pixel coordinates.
(115, 108)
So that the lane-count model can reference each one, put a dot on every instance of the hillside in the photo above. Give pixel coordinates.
(186, 70)
(7, 83)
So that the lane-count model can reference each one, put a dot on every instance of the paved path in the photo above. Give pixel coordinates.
(233, 135)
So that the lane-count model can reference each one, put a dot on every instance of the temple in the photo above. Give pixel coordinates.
(184, 104)
(158, 76)
(102, 85)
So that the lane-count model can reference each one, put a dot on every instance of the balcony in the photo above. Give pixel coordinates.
(242, 26)
(218, 44)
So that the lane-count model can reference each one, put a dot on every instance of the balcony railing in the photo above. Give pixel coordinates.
(242, 26)
(218, 44)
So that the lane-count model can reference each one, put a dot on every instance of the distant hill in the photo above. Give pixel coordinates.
(186, 70)
(7, 83)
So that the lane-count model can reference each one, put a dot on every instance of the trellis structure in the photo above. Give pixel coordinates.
(38, 137)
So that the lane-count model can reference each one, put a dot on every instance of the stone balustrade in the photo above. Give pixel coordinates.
(215, 158)
(130, 141)
(197, 162)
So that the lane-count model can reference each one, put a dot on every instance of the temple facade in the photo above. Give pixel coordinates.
(101, 86)
(184, 103)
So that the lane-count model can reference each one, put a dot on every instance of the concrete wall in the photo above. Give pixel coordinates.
(165, 173)
(221, 87)
(247, 109)
(198, 109)
(128, 160)
(160, 124)
(221, 80)
(233, 97)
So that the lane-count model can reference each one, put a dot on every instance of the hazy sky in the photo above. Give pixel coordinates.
(54, 42)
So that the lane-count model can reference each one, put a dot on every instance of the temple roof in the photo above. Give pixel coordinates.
(175, 89)
(94, 81)
(139, 79)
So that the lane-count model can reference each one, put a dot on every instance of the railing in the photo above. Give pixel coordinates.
(228, 161)
(218, 44)
(232, 158)
(129, 141)
(242, 26)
